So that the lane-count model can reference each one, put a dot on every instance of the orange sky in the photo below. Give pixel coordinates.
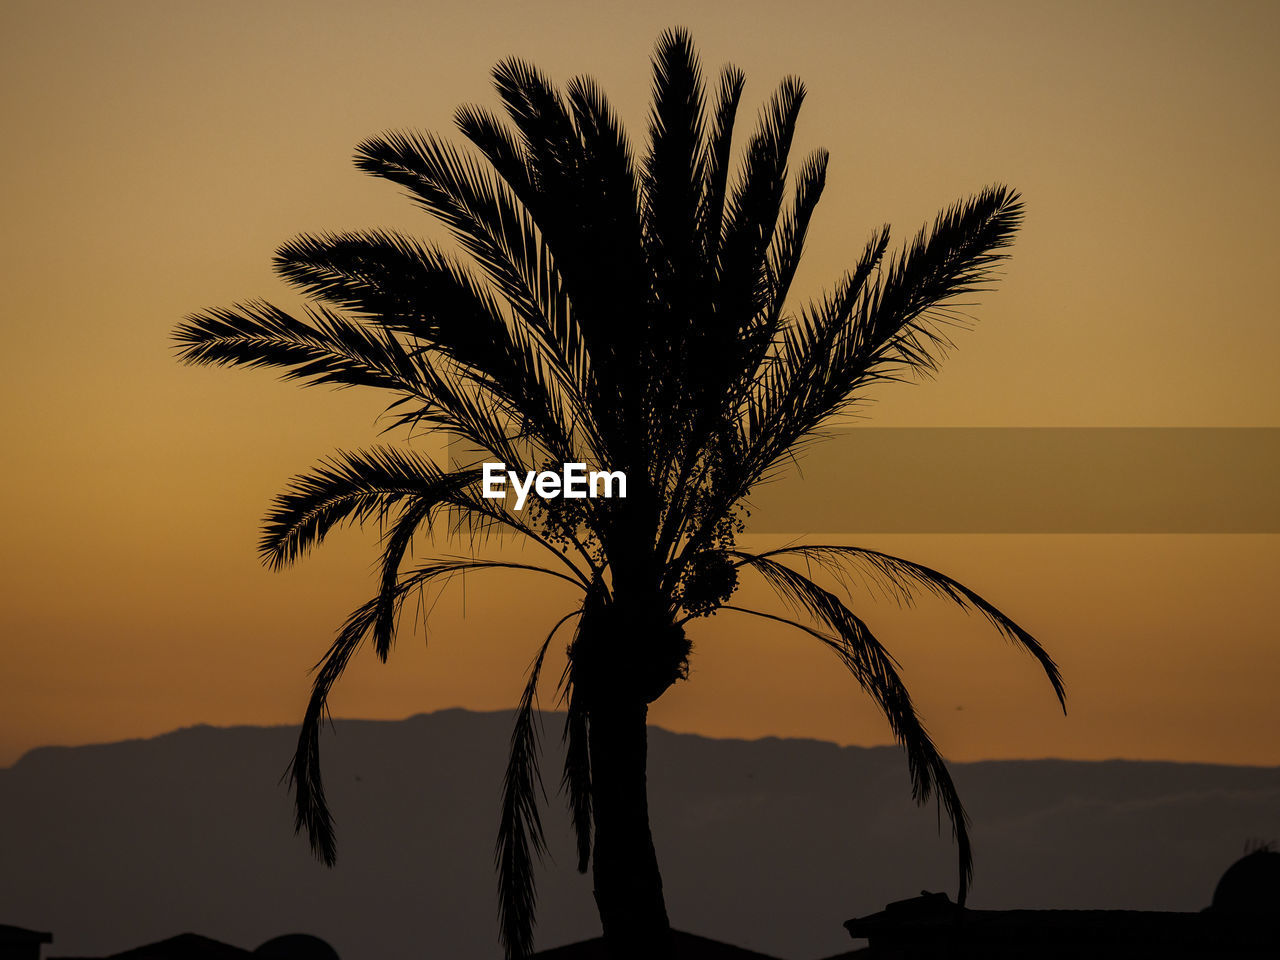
(158, 153)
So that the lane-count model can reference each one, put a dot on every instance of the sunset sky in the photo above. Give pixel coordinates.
(158, 153)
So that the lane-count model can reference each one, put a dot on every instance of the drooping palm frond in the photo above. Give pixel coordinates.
(311, 808)
(353, 486)
(395, 544)
(899, 577)
(877, 672)
(521, 839)
(569, 549)
(915, 740)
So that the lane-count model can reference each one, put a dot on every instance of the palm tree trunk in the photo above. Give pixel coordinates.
(628, 886)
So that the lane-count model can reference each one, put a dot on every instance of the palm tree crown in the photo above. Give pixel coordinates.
(620, 310)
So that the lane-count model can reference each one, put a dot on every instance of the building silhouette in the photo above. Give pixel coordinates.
(19, 943)
(685, 946)
(1243, 921)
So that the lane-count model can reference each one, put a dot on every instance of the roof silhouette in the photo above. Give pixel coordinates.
(688, 946)
(185, 946)
(192, 946)
(19, 943)
(931, 922)
(21, 935)
(296, 946)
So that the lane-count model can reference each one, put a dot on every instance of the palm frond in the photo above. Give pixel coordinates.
(415, 291)
(470, 506)
(480, 212)
(449, 568)
(754, 206)
(586, 212)
(799, 374)
(899, 577)
(395, 545)
(716, 162)
(872, 330)
(350, 486)
(554, 322)
(877, 672)
(730, 372)
(608, 176)
(327, 350)
(520, 834)
(673, 170)
(507, 218)
(540, 115)
(788, 241)
(546, 350)
(311, 809)
(768, 424)
(407, 287)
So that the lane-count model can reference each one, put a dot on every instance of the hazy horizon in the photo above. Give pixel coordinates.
(552, 712)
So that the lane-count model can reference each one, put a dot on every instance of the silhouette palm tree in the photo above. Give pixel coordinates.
(623, 312)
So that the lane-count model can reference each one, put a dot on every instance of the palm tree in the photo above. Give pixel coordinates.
(631, 313)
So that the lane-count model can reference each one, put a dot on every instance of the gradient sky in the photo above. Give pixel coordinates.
(159, 152)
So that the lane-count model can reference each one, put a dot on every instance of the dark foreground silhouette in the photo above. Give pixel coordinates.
(1243, 922)
(775, 843)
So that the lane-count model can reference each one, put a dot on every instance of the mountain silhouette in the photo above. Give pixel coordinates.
(770, 844)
